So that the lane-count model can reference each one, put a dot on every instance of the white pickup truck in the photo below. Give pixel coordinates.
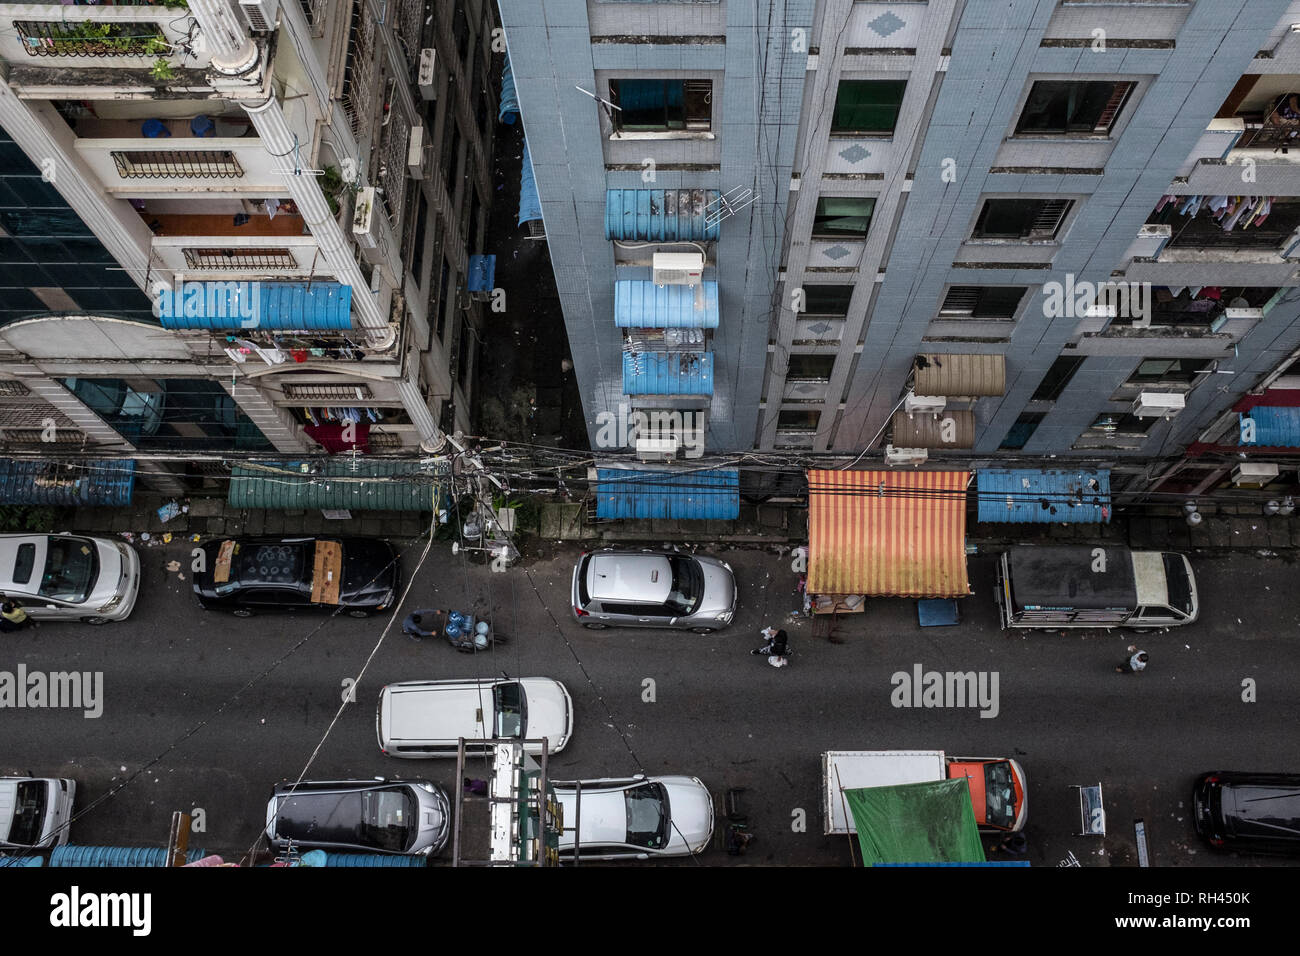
(997, 784)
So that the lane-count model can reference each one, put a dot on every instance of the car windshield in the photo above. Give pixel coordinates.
(270, 564)
(71, 568)
(647, 816)
(389, 819)
(688, 585)
(1000, 794)
(511, 709)
(29, 813)
(1180, 588)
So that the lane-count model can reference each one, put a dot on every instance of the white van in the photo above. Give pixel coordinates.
(34, 811)
(422, 719)
(1101, 587)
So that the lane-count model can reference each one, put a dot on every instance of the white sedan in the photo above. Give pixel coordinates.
(634, 818)
(67, 577)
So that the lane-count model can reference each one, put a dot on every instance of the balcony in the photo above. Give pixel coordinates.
(1257, 125)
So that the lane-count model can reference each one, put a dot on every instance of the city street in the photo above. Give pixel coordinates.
(225, 707)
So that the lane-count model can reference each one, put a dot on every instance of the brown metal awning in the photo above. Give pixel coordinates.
(949, 429)
(960, 375)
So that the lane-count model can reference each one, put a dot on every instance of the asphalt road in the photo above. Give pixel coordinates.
(217, 709)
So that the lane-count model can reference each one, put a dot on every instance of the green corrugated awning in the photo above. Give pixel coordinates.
(916, 823)
(334, 485)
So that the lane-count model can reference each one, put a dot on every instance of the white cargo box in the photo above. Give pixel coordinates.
(854, 769)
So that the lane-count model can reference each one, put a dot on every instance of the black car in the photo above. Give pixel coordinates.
(248, 576)
(372, 816)
(1248, 811)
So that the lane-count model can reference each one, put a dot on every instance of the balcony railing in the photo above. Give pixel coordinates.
(239, 260)
(164, 164)
(89, 38)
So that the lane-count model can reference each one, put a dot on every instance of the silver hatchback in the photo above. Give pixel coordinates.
(613, 588)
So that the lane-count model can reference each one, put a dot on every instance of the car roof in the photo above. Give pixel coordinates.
(449, 709)
(1262, 809)
(634, 577)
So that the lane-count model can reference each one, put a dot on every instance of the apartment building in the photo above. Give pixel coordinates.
(278, 201)
(959, 230)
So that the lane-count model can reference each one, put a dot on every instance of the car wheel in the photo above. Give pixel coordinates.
(94, 620)
(358, 613)
(702, 630)
(593, 626)
(242, 612)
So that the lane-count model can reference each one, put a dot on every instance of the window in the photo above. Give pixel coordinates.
(1021, 218)
(186, 164)
(647, 816)
(443, 305)
(1207, 304)
(832, 300)
(1057, 377)
(511, 709)
(1122, 423)
(1020, 432)
(797, 420)
(662, 105)
(810, 367)
(417, 243)
(28, 813)
(842, 217)
(24, 563)
(1073, 107)
(982, 302)
(1170, 371)
(867, 106)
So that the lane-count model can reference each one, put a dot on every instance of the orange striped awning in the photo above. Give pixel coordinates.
(895, 533)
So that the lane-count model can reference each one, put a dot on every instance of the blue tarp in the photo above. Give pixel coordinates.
(1034, 496)
(668, 373)
(482, 273)
(660, 215)
(1274, 427)
(509, 111)
(530, 204)
(113, 856)
(274, 306)
(640, 304)
(675, 493)
(102, 483)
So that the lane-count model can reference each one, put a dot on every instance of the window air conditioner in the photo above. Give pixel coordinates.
(905, 456)
(1159, 404)
(678, 268)
(1253, 474)
(364, 219)
(260, 14)
(656, 449)
(428, 74)
(415, 153)
(925, 404)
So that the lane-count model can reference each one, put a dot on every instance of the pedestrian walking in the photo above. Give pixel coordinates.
(777, 648)
(12, 616)
(1135, 664)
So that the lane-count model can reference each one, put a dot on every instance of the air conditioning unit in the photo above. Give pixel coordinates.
(656, 449)
(678, 268)
(428, 74)
(365, 218)
(905, 456)
(925, 404)
(415, 153)
(1159, 404)
(260, 14)
(1253, 474)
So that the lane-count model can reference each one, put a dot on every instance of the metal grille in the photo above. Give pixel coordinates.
(385, 440)
(89, 38)
(358, 91)
(410, 21)
(392, 166)
(239, 259)
(1049, 217)
(162, 164)
(328, 393)
(14, 388)
(41, 436)
(314, 11)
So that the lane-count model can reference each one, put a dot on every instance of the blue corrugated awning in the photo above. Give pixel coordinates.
(66, 484)
(660, 215)
(640, 304)
(530, 203)
(1270, 427)
(274, 306)
(482, 273)
(676, 493)
(1034, 496)
(668, 373)
(509, 111)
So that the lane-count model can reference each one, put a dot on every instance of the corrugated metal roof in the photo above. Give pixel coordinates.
(921, 430)
(668, 373)
(509, 110)
(1274, 427)
(371, 485)
(530, 203)
(660, 215)
(897, 533)
(277, 306)
(674, 493)
(640, 304)
(1034, 496)
(66, 484)
(960, 375)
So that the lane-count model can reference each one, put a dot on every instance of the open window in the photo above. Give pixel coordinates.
(1024, 219)
(661, 105)
(1073, 107)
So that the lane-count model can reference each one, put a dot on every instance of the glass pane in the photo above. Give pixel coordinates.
(1007, 218)
(867, 106)
(71, 568)
(846, 217)
(1057, 377)
(816, 367)
(827, 299)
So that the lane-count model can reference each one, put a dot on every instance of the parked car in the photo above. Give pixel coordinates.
(997, 790)
(34, 811)
(248, 576)
(635, 818)
(622, 588)
(421, 719)
(68, 577)
(370, 816)
(1248, 811)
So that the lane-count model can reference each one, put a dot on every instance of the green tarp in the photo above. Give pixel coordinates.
(375, 485)
(916, 823)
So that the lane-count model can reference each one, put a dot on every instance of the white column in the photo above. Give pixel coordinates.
(431, 437)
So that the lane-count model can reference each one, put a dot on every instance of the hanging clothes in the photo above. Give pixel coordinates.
(331, 437)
